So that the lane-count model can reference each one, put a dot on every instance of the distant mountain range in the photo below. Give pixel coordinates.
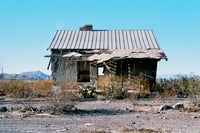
(37, 75)
(32, 75)
(176, 76)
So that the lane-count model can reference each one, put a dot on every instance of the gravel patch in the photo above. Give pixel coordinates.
(112, 116)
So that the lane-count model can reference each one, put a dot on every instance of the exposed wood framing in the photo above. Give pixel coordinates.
(116, 69)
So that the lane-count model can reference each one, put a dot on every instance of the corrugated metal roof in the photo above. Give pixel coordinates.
(104, 39)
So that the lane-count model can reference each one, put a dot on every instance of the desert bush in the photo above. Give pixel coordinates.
(66, 94)
(182, 87)
(140, 86)
(2, 88)
(26, 89)
(92, 131)
(87, 91)
(142, 130)
(138, 83)
(17, 88)
(41, 88)
(194, 90)
(114, 90)
(166, 87)
(57, 105)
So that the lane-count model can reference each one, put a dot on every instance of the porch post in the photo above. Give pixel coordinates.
(121, 73)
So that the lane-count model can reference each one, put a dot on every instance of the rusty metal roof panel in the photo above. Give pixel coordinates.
(72, 54)
(120, 54)
(104, 39)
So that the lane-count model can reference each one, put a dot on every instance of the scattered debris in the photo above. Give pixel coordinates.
(99, 116)
(46, 115)
(15, 108)
(27, 114)
(195, 116)
(88, 124)
(2, 116)
(3, 109)
(137, 116)
(165, 107)
(178, 106)
(69, 108)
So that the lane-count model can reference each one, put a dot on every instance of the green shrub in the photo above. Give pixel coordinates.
(87, 91)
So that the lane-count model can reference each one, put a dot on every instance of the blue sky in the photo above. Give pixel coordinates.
(27, 28)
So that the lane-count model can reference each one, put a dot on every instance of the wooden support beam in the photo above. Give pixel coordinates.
(121, 63)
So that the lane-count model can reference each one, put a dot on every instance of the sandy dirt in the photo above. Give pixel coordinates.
(112, 116)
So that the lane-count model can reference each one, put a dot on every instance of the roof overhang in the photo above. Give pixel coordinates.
(100, 57)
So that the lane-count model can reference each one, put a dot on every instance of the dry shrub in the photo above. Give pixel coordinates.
(114, 90)
(65, 94)
(16, 88)
(64, 97)
(3, 86)
(194, 90)
(139, 87)
(143, 131)
(171, 88)
(166, 88)
(138, 83)
(91, 131)
(181, 87)
(69, 85)
(191, 109)
(42, 88)
(26, 89)
(68, 90)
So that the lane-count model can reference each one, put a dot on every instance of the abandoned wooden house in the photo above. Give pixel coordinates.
(99, 57)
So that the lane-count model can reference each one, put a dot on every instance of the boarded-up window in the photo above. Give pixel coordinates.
(83, 71)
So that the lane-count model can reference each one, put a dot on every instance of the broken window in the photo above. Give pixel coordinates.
(83, 71)
(100, 71)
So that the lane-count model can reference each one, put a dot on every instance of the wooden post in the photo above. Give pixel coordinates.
(121, 73)
(129, 71)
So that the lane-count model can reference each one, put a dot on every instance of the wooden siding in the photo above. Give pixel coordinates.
(121, 71)
(66, 70)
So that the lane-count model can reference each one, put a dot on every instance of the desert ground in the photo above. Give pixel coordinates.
(99, 115)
